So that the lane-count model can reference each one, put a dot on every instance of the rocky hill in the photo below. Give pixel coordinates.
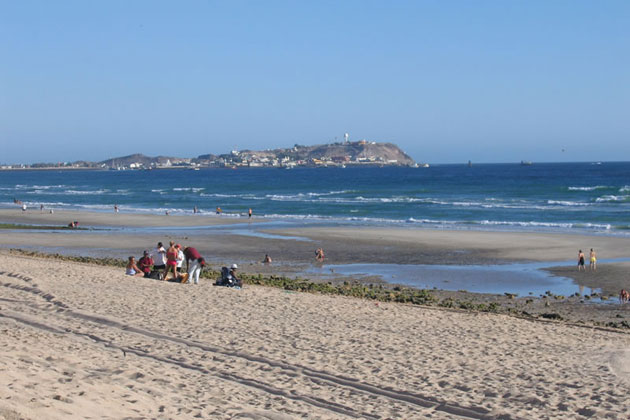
(337, 154)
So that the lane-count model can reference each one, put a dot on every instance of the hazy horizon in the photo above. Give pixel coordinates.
(447, 82)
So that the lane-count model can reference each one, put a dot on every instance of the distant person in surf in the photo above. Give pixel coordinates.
(249, 213)
(115, 208)
(593, 258)
(580, 263)
(219, 211)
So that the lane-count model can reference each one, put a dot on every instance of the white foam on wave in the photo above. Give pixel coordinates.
(79, 192)
(568, 203)
(193, 189)
(612, 198)
(596, 187)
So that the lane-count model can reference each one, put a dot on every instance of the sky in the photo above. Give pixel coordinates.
(447, 81)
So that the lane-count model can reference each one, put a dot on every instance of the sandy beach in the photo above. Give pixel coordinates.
(84, 341)
(88, 342)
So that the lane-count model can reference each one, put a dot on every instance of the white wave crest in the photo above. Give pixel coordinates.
(596, 187)
(612, 198)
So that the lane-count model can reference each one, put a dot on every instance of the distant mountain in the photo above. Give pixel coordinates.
(347, 153)
(139, 159)
(337, 154)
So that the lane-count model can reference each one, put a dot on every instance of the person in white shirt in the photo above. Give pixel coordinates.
(159, 257)
(180, 257)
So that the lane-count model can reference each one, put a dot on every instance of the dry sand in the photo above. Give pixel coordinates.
(83, 342)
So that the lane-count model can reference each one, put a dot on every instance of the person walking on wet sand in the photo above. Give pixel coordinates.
(593, 258)
(580, 263)
(319, 254)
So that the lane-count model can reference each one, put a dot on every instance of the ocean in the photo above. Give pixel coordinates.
(559, 197)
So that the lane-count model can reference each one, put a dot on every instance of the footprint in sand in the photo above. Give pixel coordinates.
(619, 364)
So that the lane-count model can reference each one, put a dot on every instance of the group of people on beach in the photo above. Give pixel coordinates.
(581, 260)
(163, 262)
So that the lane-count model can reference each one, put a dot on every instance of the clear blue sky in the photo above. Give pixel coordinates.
(448, 81)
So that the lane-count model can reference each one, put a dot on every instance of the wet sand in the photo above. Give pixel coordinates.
(239, 241)
(96, 219)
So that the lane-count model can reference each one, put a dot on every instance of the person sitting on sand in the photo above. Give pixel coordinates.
(580, 263)
(132, 269)
(267, 259)
(593, 257)
(171, 261)
(146, 264)
(237, 282)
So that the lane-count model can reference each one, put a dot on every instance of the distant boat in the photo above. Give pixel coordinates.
(526, 162)
(424, 165)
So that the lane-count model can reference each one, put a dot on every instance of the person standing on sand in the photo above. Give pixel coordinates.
(194, 264)
(580, 264)
(171, 261)
(159, 257)
(593, 257)
(115, 208)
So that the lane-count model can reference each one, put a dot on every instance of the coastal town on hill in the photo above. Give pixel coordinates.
(359, 153)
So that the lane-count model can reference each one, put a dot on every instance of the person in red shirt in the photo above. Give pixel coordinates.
(146, 264)
(194, 268)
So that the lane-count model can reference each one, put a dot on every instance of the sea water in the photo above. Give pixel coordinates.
(592, 198)
(564, 197)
